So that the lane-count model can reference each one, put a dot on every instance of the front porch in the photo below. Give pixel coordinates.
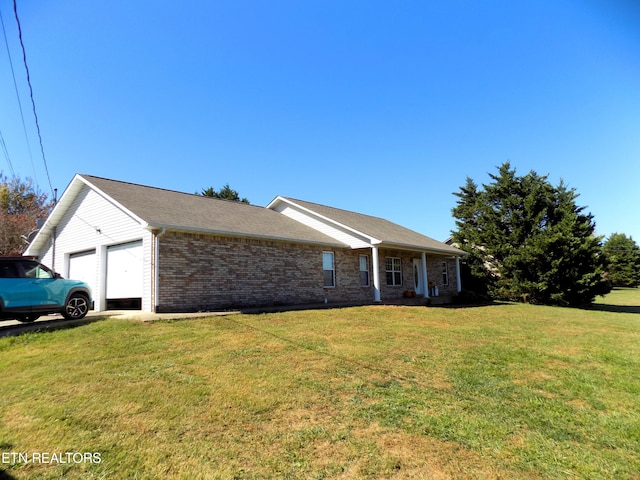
(410, 277)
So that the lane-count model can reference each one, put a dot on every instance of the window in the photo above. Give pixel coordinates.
(8, 270)
(393, 267)
(328, 270)
(445, 274)
(364, 271)
(36, 270)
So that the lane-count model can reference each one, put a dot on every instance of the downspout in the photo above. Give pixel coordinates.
(458, 279)
(53, 248)
(156, 261)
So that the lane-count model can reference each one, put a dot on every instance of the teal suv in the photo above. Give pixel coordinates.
(28, 290)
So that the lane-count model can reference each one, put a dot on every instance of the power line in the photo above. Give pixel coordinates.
(15, 86)
(6, 154)
(33, 103)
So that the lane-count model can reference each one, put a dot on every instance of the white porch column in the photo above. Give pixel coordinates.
(376, 273)
(458, 279)
(425, 278)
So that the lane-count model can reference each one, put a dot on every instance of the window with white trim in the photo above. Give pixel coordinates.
(445, 274)
(364, 271)
(328, 269)
(393, 268)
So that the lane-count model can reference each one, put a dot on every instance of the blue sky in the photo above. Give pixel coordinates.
(381, 107)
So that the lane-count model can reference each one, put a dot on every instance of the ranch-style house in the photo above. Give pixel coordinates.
(165, 251)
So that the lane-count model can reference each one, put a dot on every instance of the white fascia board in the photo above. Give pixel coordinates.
(363, 237)
(68, 197)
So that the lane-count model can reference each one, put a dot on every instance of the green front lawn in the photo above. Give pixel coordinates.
(504, 391)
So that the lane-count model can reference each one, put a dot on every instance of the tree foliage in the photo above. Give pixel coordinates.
(528, 240)
(623, 260)
(225, 193)
(21, 206)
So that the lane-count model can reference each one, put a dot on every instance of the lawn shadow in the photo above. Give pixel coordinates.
(5, 476)
(605, 307)
(489, 303)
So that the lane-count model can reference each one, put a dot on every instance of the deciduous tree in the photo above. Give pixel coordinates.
(21, 206)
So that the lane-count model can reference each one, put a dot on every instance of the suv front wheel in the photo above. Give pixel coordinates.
(76, 308)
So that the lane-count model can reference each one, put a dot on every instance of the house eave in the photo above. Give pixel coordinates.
(229, 233)
(454, 252)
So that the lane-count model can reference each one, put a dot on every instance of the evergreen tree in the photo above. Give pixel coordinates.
(528, 240)
(623, 260)
(225, 193)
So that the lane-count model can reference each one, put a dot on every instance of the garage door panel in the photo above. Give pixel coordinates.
(124, 271)
(82, 266)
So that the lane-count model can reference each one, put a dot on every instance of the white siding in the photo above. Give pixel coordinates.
(95, 222)
(338, 232)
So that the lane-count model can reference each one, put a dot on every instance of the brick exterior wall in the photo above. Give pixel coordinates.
(201, 272)
(206, 272)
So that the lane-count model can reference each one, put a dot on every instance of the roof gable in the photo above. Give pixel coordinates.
(361, 228)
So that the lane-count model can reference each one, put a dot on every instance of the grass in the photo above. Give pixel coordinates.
(503, 391)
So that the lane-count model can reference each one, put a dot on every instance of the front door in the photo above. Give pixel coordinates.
(417, 277)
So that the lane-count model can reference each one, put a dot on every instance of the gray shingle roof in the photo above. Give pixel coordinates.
(191, 212)
(387, 232)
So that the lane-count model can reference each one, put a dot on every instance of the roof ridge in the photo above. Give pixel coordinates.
(338, 208)
(88, 177)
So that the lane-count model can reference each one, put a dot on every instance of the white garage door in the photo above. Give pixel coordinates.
(124, 271)
(82, 266)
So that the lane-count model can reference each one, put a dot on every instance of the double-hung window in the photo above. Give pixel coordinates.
(364, 271)
(445, 274)
(393, 267)
(328, 269)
